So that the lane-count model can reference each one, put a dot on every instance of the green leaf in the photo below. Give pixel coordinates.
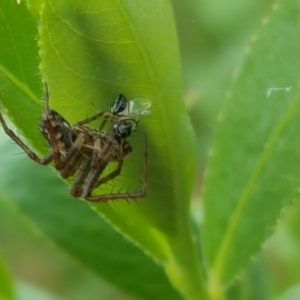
(253, 284)
(34, 6)
(253, 171)
(42, 201)
(6, 289)
(89, 54)
(284, 250)
(19, 80)
(19, 54)
(292, 294)
(26, 291)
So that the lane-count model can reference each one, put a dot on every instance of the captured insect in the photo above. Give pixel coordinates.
(124, 110)
(80, 151)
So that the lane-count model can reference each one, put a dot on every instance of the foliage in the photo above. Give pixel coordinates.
(90, 52)
(6, 290)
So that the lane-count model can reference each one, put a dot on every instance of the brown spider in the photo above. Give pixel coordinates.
(86, 152)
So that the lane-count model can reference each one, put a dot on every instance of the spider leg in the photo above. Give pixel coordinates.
(90, 171)
(73, 158)
(72, 166)
(42, 161)
(111, 175)
(124, 149)
(102, 156)
(76, 190)
(90, 119)
(92, 179)
(46, 97)
(126, 196)
(103, 123)
(47, 123)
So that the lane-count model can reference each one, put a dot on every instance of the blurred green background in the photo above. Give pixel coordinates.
(213, 37)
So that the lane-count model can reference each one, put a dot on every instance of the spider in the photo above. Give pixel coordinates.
(85, 152)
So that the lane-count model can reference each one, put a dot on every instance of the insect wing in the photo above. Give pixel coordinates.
(139, 107)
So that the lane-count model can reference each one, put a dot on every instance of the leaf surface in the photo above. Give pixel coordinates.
(77, 229)
(6, 289)
(253, 171)
(91, 52)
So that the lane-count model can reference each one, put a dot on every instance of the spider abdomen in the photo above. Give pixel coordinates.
(61, 132)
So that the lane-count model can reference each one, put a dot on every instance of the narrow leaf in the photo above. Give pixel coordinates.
(253, 171)
(6, 289)
(20, 84)
(42, 198)
(90, 54)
